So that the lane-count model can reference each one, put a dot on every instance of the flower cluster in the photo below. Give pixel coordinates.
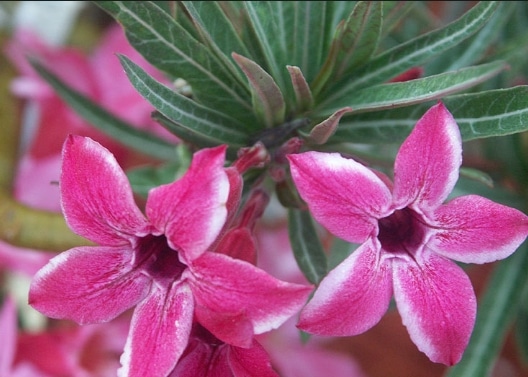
(173, 270)
(194, 286)
(161, 263)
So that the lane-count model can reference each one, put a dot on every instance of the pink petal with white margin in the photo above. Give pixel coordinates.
(427, 164)
(192, 211)
(159, 333)
(473, 229)
(343, 195)
(352, 298)
(88, 285)
(96, 196)
(8, 329)
(235, 287)
(437, 305)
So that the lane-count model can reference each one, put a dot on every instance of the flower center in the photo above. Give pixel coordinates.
(401, 232)
(158, 260)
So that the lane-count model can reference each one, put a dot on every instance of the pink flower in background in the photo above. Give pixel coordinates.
(207, 356)
(407, 237)
(101, 78)
(9, 331)
(159, 263)
(38, 168)
(67, 349)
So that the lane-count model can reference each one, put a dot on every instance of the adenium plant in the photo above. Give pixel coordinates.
(349, 121)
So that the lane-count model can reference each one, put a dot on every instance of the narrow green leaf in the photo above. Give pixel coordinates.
(170, 48)
(393, 13)
(306, 36)
(391, 95)
(354, 41)
(479, 115)
(474, 49)
(267, 24)
(268, 101)
(184, 111)
(414, 52)
(144, 178)
(98, 117)
(303, 94)
(322, 131)
(306, 246)
(521, 327)
(359, 37)
(477, 176)
(289, 33)
(339, 251)
(493, 113)
(338, 11)
(217, 31)
(496, 311)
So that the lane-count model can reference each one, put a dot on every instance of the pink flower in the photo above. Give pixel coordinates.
(9, 331)
(67, 349)
(207, 356)
(158, 263)
(407, 237)
(109, 87)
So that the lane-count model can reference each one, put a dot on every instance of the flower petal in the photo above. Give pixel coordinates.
(159, 333)
(352, 297)
(194, 361)
(96, 196)
(253, 361)
(192, 211)
(474, 229)
(235, 327)
(88, 285)
(343, 195)
(427, 164)
(237, 289)
(437, 305)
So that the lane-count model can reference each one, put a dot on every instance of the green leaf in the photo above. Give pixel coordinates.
(217, 31)
(144, 178)
(289, 33)
(521, 327)
(322, 131)
(354, 42)
(189, 114)
(393, 13)
(360, 36)
(305, 31)
(477, 176)
(415, 51)
(479, 115)
(303, 94)
(474, 50)
(268, 26)
(170, 48)
(103, 120)
(339, 251)
(268, 101)
(391, 95)
(496, 311)
(306, 246)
